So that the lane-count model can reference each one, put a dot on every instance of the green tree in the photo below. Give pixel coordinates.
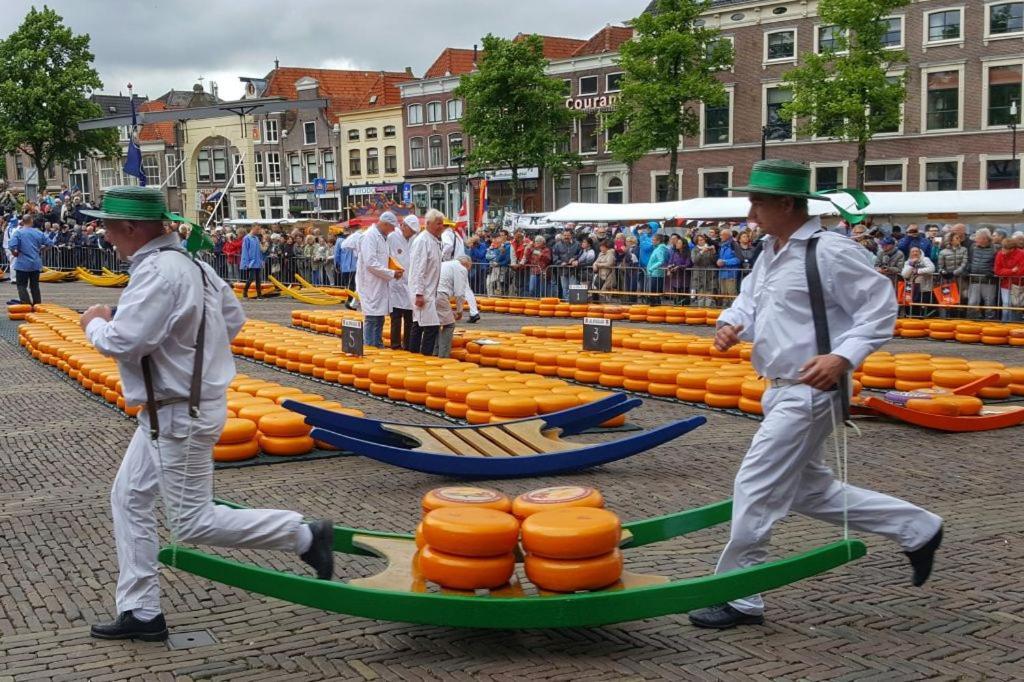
(46, 77)
(515, 115)
(845, 92)
(668, 70)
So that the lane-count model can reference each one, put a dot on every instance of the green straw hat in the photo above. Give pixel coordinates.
(793, 179)
(127, 202)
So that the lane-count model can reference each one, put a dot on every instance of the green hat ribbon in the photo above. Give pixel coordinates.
(860, 200)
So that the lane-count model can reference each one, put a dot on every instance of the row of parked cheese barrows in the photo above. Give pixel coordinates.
(964, 331)
(254, 421)
(685, 366)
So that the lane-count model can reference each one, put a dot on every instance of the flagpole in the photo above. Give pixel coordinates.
(224, 191)
(171, 174)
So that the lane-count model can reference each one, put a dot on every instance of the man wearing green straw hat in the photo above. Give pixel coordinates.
(814, 309)
(170, 335)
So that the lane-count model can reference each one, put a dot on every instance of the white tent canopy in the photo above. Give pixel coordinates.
(974, 206)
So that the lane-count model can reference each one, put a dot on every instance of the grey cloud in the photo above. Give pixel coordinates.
(159, 45)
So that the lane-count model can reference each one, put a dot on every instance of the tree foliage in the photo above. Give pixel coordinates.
(515, 115)
(46, 77)
(668, 70)
(845, 92)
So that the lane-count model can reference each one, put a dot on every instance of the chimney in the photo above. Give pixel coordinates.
(277, 63)
(474, 54)
(408, 71)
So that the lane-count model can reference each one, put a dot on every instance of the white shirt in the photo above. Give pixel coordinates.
(452, 244)
(398, 248)
(351, 242)
(158, 315)
(424, 276)
(774, 305)
(373, 278)
(454, 282)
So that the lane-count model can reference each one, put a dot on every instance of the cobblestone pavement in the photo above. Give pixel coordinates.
(59, 451)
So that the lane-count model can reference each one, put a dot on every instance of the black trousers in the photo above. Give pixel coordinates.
(252, 275)
(28, 280)
(401, 321)
(423, 340)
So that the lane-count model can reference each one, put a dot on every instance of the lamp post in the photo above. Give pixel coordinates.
(1013, 130)
(769, 130)
(460, 159)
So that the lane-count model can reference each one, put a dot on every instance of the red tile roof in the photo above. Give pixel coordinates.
(608, 39)
(155, 132)
(453, 61)
(345, 90)
(556, 47)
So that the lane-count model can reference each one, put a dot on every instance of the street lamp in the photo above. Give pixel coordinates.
(771, 130)
(1013, 129)
(460, 159)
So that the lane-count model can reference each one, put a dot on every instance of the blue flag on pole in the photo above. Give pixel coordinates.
(133, 159)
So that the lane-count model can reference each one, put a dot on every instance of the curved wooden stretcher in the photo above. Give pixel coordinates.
(524, 447)
(399, 592)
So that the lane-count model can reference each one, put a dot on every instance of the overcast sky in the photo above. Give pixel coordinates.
(162, 44)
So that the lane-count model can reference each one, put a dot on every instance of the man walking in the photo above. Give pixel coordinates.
(784, 469)
(26, 247)
(251, 262)
(424, 276)
(399, 244)
(374, 278)
(170, 337)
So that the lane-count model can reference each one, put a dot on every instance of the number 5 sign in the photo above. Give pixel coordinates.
(352, 337)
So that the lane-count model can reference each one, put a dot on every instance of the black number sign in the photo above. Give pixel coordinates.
(597, 334)
(352, 337)
(578, 293)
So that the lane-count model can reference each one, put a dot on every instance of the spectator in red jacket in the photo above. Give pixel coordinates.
(1009, 268)
(538, 258)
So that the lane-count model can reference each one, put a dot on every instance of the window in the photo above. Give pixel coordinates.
(588, 85)
(329, 166)
(779, 45)
(716, 122)
(353, 134)
(415, 114)
(110, 172)
(454, 148)
(417, 159)
(828, 178)
(614, 193)
(1005, 18)
(390, 159)
(883, 177)
(588, 188)
(419, 197)
(389, 131)
(151, 167)
(276, 205)
(941, 176)
(893, 36)
(273, 168)
(309, 132)
(828, 39)
(613, 83)
(240, 175)
(611, 133)
(943, 100)
(433, 112)
(312, 172)
(371, 133)
(270, 133)
(1002, 174)
(220, 164)
(172, 169)
(1004, 88)
(19, 168)
(354, 162)
(563, 191)
(454, 109)
(258, 162)
(588, 134)
(661, 192)
(777, 127)
(436, 152)
(943, 25)
(295, 169)
(202, 167)
(713, 183)
(712, 46)
(567, 87)
(373, 161)
(897, 123)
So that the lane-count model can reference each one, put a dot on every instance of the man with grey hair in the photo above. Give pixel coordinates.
(980, 269)
(399, 245)
(454, 283)
(424, 277)
(374, 278)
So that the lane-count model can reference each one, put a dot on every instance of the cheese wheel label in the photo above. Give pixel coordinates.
(467, 495)
(558, 494)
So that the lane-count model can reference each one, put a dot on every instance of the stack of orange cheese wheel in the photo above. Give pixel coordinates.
(467, 538)
(572, 549)
(556, 497)
(237, 441)
(18, 311)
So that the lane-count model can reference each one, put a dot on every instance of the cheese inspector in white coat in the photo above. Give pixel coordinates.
(373, 278)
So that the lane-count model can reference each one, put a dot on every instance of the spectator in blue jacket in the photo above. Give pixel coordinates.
(656, 267)
(914, 238)
(25, 246)
(344, 263)
(644, 238)
(252, 261)
(728, 260)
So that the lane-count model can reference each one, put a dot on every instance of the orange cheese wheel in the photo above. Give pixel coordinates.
(237, 431)
(254, 412)
(722, 400)
(880, 368)
(967, 405)
(914, 372)
(564, 575)
(995, 392)
(478, 400)
(275, 392)
(471, 531)
(251, 387)
(245, 400)
(874, 381)
(276, 445)
(236, 452)
(571, 533)
(546, 499)
(465, 496)
(750, 406)
(420, 542)
(512, 406)
(952, 378)
(939, 406)
(300, 398)
(284, 424)
(725, 385)
(465, 573)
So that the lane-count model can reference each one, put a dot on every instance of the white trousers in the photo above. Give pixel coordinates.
(181, 470)
(471, 302)
(784, 470)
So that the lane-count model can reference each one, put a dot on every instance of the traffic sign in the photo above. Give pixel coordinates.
(320, 186)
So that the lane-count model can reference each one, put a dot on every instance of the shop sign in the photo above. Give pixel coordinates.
(506, 174)
(592, 102)
(372, 189)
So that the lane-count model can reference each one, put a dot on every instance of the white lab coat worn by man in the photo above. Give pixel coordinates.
(784, 469)
(401, 308)
(373, 284)
(453, 246)
(424, 276)
(454, 283)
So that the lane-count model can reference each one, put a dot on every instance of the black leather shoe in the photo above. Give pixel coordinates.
(128, 626)
(473, 319)
(320, 554)
(923, 559)
(723, 616)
